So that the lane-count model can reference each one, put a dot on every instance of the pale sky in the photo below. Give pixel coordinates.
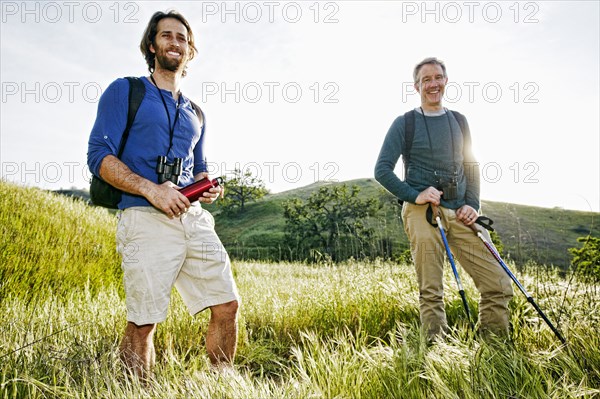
(305, 91)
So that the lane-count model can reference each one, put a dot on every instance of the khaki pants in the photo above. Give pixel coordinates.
(428, 253)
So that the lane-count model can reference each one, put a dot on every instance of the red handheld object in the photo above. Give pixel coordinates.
(195, 190)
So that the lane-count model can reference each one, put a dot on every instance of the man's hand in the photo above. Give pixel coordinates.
(168, 199)
(429, 195)
(467, 215)
(165, 196)
(212, 194)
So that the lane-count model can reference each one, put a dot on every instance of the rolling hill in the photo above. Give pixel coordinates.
(527, 232)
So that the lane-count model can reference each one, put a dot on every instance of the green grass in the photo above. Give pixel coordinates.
(349, 330)
(51, 241)
(305, 331)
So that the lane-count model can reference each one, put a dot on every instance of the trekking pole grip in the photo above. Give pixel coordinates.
(474, 228)
(432, 214)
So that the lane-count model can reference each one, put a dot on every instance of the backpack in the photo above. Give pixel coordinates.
(101, 193)
(409, 134)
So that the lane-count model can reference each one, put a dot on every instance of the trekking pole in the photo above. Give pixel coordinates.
(493, 251)
(461, 290)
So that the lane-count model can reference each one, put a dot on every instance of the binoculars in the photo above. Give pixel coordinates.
(449, 187)
(168, 171)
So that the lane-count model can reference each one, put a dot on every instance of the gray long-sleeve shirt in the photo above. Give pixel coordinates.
(450, 152)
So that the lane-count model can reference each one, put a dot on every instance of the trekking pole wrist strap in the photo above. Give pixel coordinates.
(485, 222)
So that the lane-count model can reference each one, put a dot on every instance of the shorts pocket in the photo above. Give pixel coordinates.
(124, 228)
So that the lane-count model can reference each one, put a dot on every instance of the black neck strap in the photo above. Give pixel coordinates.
(171, 127)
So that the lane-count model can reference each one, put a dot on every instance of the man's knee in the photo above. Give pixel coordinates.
(493, 308)
(140, 332)
(225, 311)
(508, 292)
(502, 291)
(431, 293)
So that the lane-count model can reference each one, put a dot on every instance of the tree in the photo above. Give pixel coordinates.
(586, 260)
(241, 188)
(333, 224)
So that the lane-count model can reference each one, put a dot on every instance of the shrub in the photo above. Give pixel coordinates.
(586, 260)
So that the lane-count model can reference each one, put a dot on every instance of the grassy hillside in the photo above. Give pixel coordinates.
(541, 234)
(346, 330)
(68, 242)
(528, 233)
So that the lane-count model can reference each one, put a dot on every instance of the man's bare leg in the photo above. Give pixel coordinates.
(221, 339)
(137, 349)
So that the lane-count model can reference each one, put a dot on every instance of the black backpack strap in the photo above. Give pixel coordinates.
(464, 128)
(409, 135)
(199, 113)
(137, 90)
(462, 122)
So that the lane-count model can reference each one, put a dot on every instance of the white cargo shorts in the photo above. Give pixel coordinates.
(159, 253)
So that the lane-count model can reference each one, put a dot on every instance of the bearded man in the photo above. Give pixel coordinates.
(164, 239)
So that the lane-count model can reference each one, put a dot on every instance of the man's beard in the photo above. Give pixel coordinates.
(169, 63)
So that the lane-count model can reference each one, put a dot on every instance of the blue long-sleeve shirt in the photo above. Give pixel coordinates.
(428, 163)
(148, 137)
